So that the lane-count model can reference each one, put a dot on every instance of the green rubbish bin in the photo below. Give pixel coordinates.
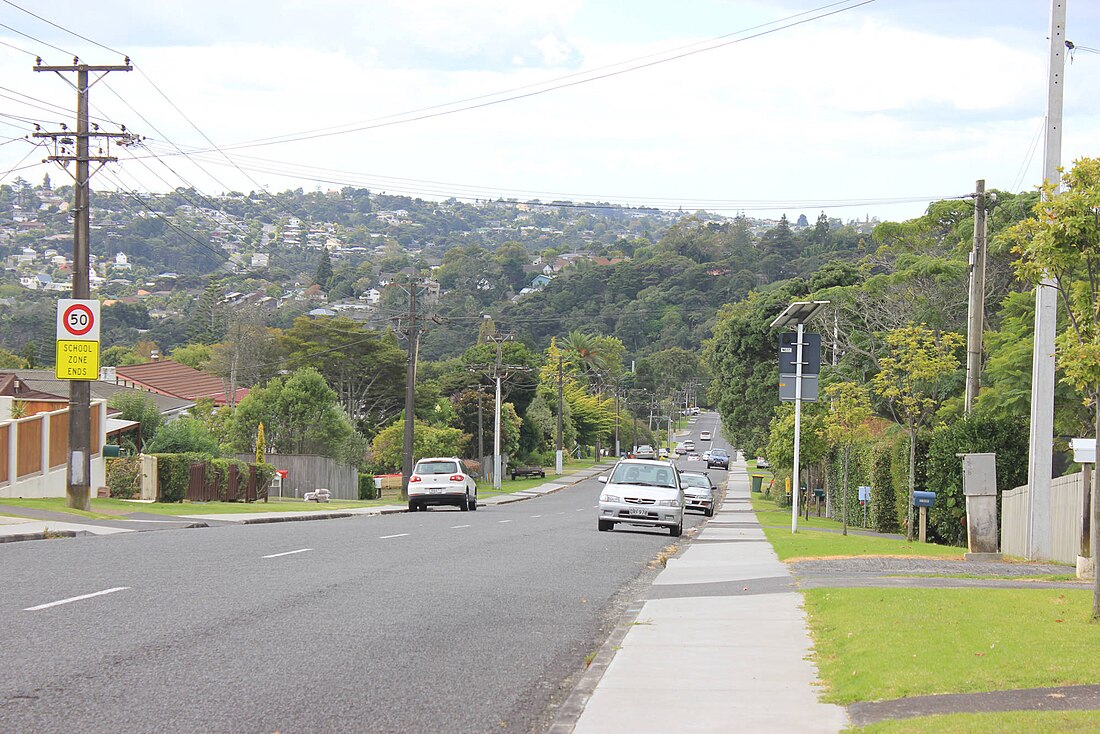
(757, 479)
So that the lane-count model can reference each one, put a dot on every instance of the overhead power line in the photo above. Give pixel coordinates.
(571, 80)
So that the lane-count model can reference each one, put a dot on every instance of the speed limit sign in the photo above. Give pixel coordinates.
(78, 319)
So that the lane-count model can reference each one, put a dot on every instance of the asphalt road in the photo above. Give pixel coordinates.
(426, 622)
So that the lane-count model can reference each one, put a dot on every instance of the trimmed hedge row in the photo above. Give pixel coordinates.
(174, 474)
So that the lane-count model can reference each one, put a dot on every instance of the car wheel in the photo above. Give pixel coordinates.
(413, 506)
(677, 530)
(464, 503)
(473, 504)
(709, 512)
(605, 525)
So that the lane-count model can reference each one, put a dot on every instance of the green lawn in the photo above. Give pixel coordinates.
(808, 543)
(879, 644)
(1009, 722)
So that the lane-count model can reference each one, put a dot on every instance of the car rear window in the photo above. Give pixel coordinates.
(694, 480)
(436, 467)
(655, 475)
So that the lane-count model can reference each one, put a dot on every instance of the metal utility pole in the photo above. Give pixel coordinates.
(557, 453)
(1041, 439)
(78, 473)
(975, 320)
(412, 333)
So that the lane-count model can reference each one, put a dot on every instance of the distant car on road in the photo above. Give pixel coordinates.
(718, 458)
(645, 451)
(762, 463)
(641, 492)
(686, 447)
(441, 481)
(704, 435)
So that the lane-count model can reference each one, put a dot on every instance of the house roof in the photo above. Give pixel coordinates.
(176, 380)
(45, 382)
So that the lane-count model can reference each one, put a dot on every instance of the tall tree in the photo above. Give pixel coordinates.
(914, 380)
(849, 409)
(323, 276)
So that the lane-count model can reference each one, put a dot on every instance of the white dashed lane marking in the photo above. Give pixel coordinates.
(456, 527)
(288, 553)
(75, 598)
(387, 537)
(504, 521)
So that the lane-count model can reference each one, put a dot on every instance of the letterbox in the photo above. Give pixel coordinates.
(924, 499)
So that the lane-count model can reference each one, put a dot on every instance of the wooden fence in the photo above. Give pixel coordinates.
(306, 472)
(203, 484)
(34, 450)
(1066, 500)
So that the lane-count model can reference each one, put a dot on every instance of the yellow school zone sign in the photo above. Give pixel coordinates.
(77, 360)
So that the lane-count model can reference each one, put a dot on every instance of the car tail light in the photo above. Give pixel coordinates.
(456, 477)
(414, 478)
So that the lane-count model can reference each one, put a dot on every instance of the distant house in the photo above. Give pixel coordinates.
(540, 281)
(173, 379)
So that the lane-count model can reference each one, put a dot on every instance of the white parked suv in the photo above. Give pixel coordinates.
(441, 481)
(642, 492)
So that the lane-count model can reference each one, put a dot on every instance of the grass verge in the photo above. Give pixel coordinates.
(106, 509)
(810, 544)
(880, 644)
(1008, 722)
(816, 544)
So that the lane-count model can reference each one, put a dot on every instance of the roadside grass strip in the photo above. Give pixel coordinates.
(879, 644)
(810, 544)
(1008, 722)
(111, 509)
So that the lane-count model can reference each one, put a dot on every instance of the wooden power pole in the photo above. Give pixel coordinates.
(79, 467)
(412, 333)
(975, 321)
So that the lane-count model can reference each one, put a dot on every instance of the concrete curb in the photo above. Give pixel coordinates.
(295, 518)
(43, 536)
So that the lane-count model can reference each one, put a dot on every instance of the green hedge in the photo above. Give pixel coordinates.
(124, 477)
(974, 434)
(173, 473)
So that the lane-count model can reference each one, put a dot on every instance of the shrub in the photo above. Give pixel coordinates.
(366, 487)
(184, 435)
(124, 477)
(265, 473)
(883, 512)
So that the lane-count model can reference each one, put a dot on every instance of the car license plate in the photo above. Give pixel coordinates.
(639, 513)
(436, 490)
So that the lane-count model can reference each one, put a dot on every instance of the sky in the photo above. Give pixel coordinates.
(856, 108)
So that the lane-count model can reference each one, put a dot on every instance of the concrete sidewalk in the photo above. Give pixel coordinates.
(719, 643)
